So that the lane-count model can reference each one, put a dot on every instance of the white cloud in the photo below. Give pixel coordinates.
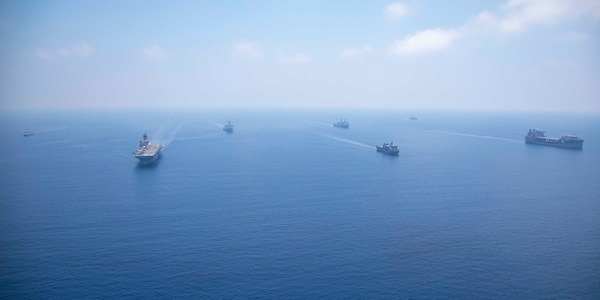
(44, 54)
(154, 52)
(522, 14)
(247, 49)
(396, 11)
(296, 58)
(571, 37)
(562, 64)
(351, 52)
(429, 40)
(519, 15)
(512, 17)
(82, 50)
(64, 52)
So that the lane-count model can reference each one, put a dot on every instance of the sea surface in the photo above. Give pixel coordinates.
(290, 207)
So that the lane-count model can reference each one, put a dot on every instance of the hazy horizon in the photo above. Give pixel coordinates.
(514, 55)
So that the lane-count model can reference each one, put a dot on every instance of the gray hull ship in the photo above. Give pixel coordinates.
(389, 149)
(228, 127)
(28, 132)
(569, 141)
(147, 152)
(342, 124)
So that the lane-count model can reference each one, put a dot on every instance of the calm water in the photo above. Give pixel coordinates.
(290, 207)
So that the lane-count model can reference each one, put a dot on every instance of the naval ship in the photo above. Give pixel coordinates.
(390, 148)
(342, 124)
(147, 152)
(569, 141)
(28, 132)
(228, 127)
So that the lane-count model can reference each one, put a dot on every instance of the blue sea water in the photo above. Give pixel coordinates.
(290, 207)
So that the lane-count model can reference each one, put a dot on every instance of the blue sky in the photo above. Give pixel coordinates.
(437, 54)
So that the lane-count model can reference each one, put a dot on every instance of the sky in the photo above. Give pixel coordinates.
(516, 55)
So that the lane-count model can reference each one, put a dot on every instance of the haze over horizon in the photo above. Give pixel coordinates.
(482, 55)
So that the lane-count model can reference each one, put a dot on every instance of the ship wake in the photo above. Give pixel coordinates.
(165, 134)
(319, 123)
(50, 130)
(218, 125)
(199, 137)
(345, 140)
(478, 136)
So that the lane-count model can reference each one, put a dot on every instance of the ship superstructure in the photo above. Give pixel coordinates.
(390, 149)
(147, 152)
(228, 127)
(569, 141)
(343, 123)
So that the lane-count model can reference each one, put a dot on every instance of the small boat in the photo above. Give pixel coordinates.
(390, 149)
(228, 127)
(413, 118)
(342, 124)
(28, 132)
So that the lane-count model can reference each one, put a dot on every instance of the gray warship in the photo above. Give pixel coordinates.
(342, 124)
(147, 152)
(569, 141)
(228, 127)
(390, 149)
(28, 132)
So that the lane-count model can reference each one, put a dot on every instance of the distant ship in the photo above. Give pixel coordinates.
(413, 118)
(147, 152)
(390, 148)
(342, 124)
(28, 133)
(569, 141)
(228, 127)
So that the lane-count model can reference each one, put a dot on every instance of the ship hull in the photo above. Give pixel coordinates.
(384, 151)
(554, 142)
(149, 155)
(147, 159)
(341, 126)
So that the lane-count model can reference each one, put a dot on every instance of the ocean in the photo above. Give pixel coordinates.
(290, 207)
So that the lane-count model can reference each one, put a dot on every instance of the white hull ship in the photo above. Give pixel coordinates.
(147, 152)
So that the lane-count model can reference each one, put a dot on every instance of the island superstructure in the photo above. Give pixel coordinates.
(342, 124)
(569, 141)
(147, 152)
(390, 149)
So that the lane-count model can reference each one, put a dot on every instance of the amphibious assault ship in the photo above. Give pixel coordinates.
(228, 127)
(147, 152)
(569, 141)
(342, 124)
(390, 148)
